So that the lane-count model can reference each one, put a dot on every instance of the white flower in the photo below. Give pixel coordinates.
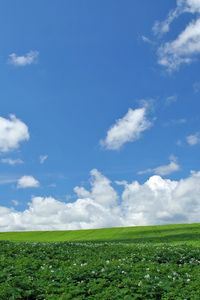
(139, 283)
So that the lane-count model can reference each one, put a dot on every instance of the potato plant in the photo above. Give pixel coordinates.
(103, 270)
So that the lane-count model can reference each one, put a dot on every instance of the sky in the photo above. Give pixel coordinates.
(99, 113)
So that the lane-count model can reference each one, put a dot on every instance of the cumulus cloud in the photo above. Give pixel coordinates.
(127, 129)
(193, 139)
(156, 201)
(160, 201)
(185, 48)
(12, 132)
(11, 161)
(27, 182)
(163, 170)
(101, 190)
(23, 60)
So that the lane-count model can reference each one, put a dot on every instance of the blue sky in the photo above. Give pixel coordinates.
(106, 93)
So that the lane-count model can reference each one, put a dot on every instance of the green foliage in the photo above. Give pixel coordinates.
(98, 270)
(176, 234)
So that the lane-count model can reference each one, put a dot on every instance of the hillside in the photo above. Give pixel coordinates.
(175, 234)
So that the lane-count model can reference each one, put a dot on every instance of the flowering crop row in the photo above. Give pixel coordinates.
(103, 270)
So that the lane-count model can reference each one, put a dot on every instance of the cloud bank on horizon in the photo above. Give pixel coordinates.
(156, 201)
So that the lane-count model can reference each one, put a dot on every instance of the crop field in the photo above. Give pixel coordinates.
(158, 262)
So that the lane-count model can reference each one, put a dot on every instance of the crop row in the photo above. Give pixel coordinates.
(98, 271)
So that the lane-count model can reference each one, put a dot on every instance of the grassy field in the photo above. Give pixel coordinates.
(173, 234)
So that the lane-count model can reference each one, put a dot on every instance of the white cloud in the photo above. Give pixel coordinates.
(11, 161)
(192, 6)
(127, 129)
(156, 201)
(27, 182)
(183, 6)
(167, 169)
(183, 49)
(163, 170)
(186, 47)
(12, 132)
(163, 27)
(42, 158)
(193, 139)
(160, 201)
(101, 190)
(23, 60)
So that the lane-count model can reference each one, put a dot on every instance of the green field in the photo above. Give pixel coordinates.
(156, 262)
(173, 234)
